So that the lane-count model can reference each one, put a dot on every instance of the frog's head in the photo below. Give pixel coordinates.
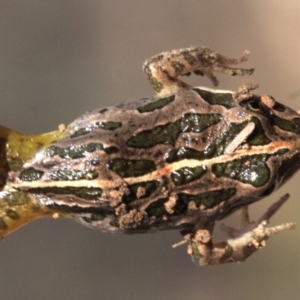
(276, 132)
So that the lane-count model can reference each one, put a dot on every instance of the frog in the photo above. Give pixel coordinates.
(183, 159)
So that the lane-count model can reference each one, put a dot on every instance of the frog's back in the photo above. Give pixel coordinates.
(174, 160)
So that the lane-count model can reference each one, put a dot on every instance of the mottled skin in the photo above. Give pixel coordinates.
(181, 160)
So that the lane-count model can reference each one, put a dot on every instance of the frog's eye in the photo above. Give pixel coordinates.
(254, 106)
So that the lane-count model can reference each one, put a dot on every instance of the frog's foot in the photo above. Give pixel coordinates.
(163, 69)
(244, 242)
(245, 91)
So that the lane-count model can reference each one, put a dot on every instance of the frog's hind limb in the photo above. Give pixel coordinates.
(243, 242)
(162, 70)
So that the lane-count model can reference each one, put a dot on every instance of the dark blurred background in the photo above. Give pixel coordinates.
(61, 58)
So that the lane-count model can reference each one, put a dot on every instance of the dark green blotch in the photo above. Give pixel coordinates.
(69, 174)
(247, 169)
(177, 66)
(12, 214)
(30, 174)
(187, 175)
(257, 137)
(287, 125)
(149, 186)
(109, 125)
(87, 193)
(102, 125)
(74, 152)
(189, 58)
(223, 99)
(205, 200)
(168, 133)
(114, 223)
(157, 85)
(94, 218)
(82, 131)
(157, 208)
(181, 153)
(196, 255)
(227, 254)
(131, 167)
(156, 104)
